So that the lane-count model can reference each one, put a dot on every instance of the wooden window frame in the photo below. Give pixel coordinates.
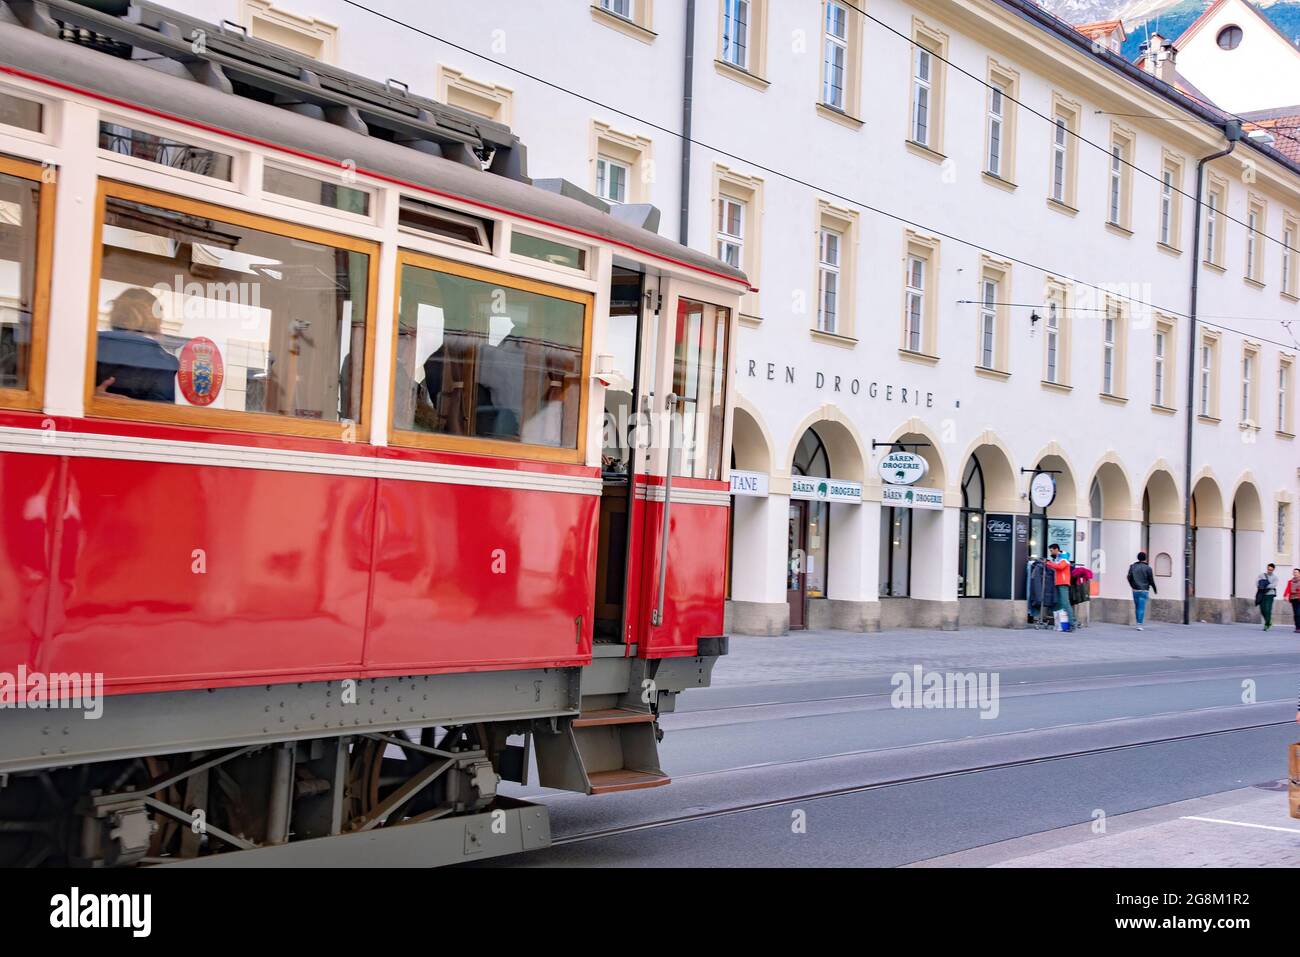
(754, 72)
(934, 41)
(1216, 188)
(997, 271)
(1248, 393)
(33, 397)
(626, 149)
(130, 410)
(1070, 111)
(1009, 82)
(474, 445)
(1116, 312)
(845, 222)
(1166, 326)
(1059, 291)
(1126, 139)
(925, 248)
(1209, 410)
(748, 191)
(1174, 165)
(1253, 270)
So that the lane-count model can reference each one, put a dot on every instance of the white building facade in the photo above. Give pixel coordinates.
(970, 239)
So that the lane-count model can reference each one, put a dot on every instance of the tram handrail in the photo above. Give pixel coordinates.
(658, 617)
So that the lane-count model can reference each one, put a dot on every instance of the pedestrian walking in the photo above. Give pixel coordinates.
(1143, 582)
(1292, 594)
(1061, 569)
(1265, 593)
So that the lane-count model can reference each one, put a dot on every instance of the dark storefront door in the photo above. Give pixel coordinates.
(796, 565)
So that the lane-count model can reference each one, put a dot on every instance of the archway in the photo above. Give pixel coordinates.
(756, 543)
(1211, 551)
(1056, 523)
(1248, 545)
(988, 488)
(1114, 528)
(1162, 539)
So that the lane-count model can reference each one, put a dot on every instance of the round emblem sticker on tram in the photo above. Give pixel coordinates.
(201, 371)
(903, 468)
(1042, 489)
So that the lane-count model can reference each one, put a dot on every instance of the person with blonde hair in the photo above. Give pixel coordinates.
(130, 362)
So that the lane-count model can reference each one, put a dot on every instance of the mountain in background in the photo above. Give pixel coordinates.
(1171, 17)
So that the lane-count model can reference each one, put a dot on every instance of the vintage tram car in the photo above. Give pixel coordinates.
(345, 472)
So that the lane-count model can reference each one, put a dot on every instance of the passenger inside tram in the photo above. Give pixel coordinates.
(129, 360)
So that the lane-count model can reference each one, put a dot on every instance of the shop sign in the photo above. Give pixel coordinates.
(1042, 489)
(749, 483)
(903, 468)
(814, 489)
(903, 496)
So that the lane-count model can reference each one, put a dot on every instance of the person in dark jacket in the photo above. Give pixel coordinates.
(129, 360)
(1266, 593)
(1143, 581)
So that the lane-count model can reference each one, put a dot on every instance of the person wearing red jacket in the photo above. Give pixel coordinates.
(1292, 594)
(1061, 568)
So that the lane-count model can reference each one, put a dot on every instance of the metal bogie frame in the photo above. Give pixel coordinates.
(287, 775)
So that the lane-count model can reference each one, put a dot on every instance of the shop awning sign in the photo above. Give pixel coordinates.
(814, 489)
(749, 483)
(903, 468)
(907, 496)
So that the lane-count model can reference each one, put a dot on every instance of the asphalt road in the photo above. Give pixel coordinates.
(828, 772)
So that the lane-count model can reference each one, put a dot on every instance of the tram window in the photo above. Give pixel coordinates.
(484, 357)
(318, 192)
(443, 223)
(198, 309)
(20, 286)
(18, 112)
(699, 382)
(548, 251)
(153, 148)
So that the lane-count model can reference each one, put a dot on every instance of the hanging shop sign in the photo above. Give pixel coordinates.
(814, 489)
(903, 468)
(1042, 489)
(749, 483)
(903, 496)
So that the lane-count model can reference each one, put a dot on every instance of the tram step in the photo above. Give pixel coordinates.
(604, 716)
(606, 782)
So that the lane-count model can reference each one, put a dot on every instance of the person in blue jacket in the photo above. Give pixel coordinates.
(129, 360)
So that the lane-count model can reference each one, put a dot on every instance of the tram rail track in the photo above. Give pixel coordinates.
(845, 790)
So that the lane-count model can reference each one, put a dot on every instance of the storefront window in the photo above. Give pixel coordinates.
(20, 207)
(699, 382)
(203, 312)
(478, 359)
(895, 552)
(970, 559)
(810, 459)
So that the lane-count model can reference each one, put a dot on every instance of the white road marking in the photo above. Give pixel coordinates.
(1262, 827)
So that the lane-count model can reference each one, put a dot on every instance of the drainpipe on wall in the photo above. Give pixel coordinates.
(688, 84)
(1232, 132)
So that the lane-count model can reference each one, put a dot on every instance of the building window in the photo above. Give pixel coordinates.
(1216, 202)
(1249, 394)
(1256, 224)
(1208, 405)
(1163, 363)
(735, 33)
(737, 219)
(835, 54)
(1229, 38)
(836, 251)
(995, 277)
(26, 245)
(731, 231)
(501, 373)
(914, 317)
(920, 282)
(1056, 334)
(621, 165)
(928, 53)
(491, 101)
(21, 113)
(611, 180)
(1285, 423)
(828, 291)
(1065, 122)
(1171, 206)
(313, 38)
(200, 318)
(1283, 538)
(1289, 263)
(1114, 339)
(1119, 190)
(632, 17)
(1000, 123)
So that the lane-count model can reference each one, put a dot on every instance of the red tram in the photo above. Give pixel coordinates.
(344, 471)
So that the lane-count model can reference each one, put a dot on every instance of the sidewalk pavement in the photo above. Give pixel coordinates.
(1249, 827)
(813, 655)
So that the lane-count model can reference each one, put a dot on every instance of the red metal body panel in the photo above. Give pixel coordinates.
(695, 586)
(300, 576)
